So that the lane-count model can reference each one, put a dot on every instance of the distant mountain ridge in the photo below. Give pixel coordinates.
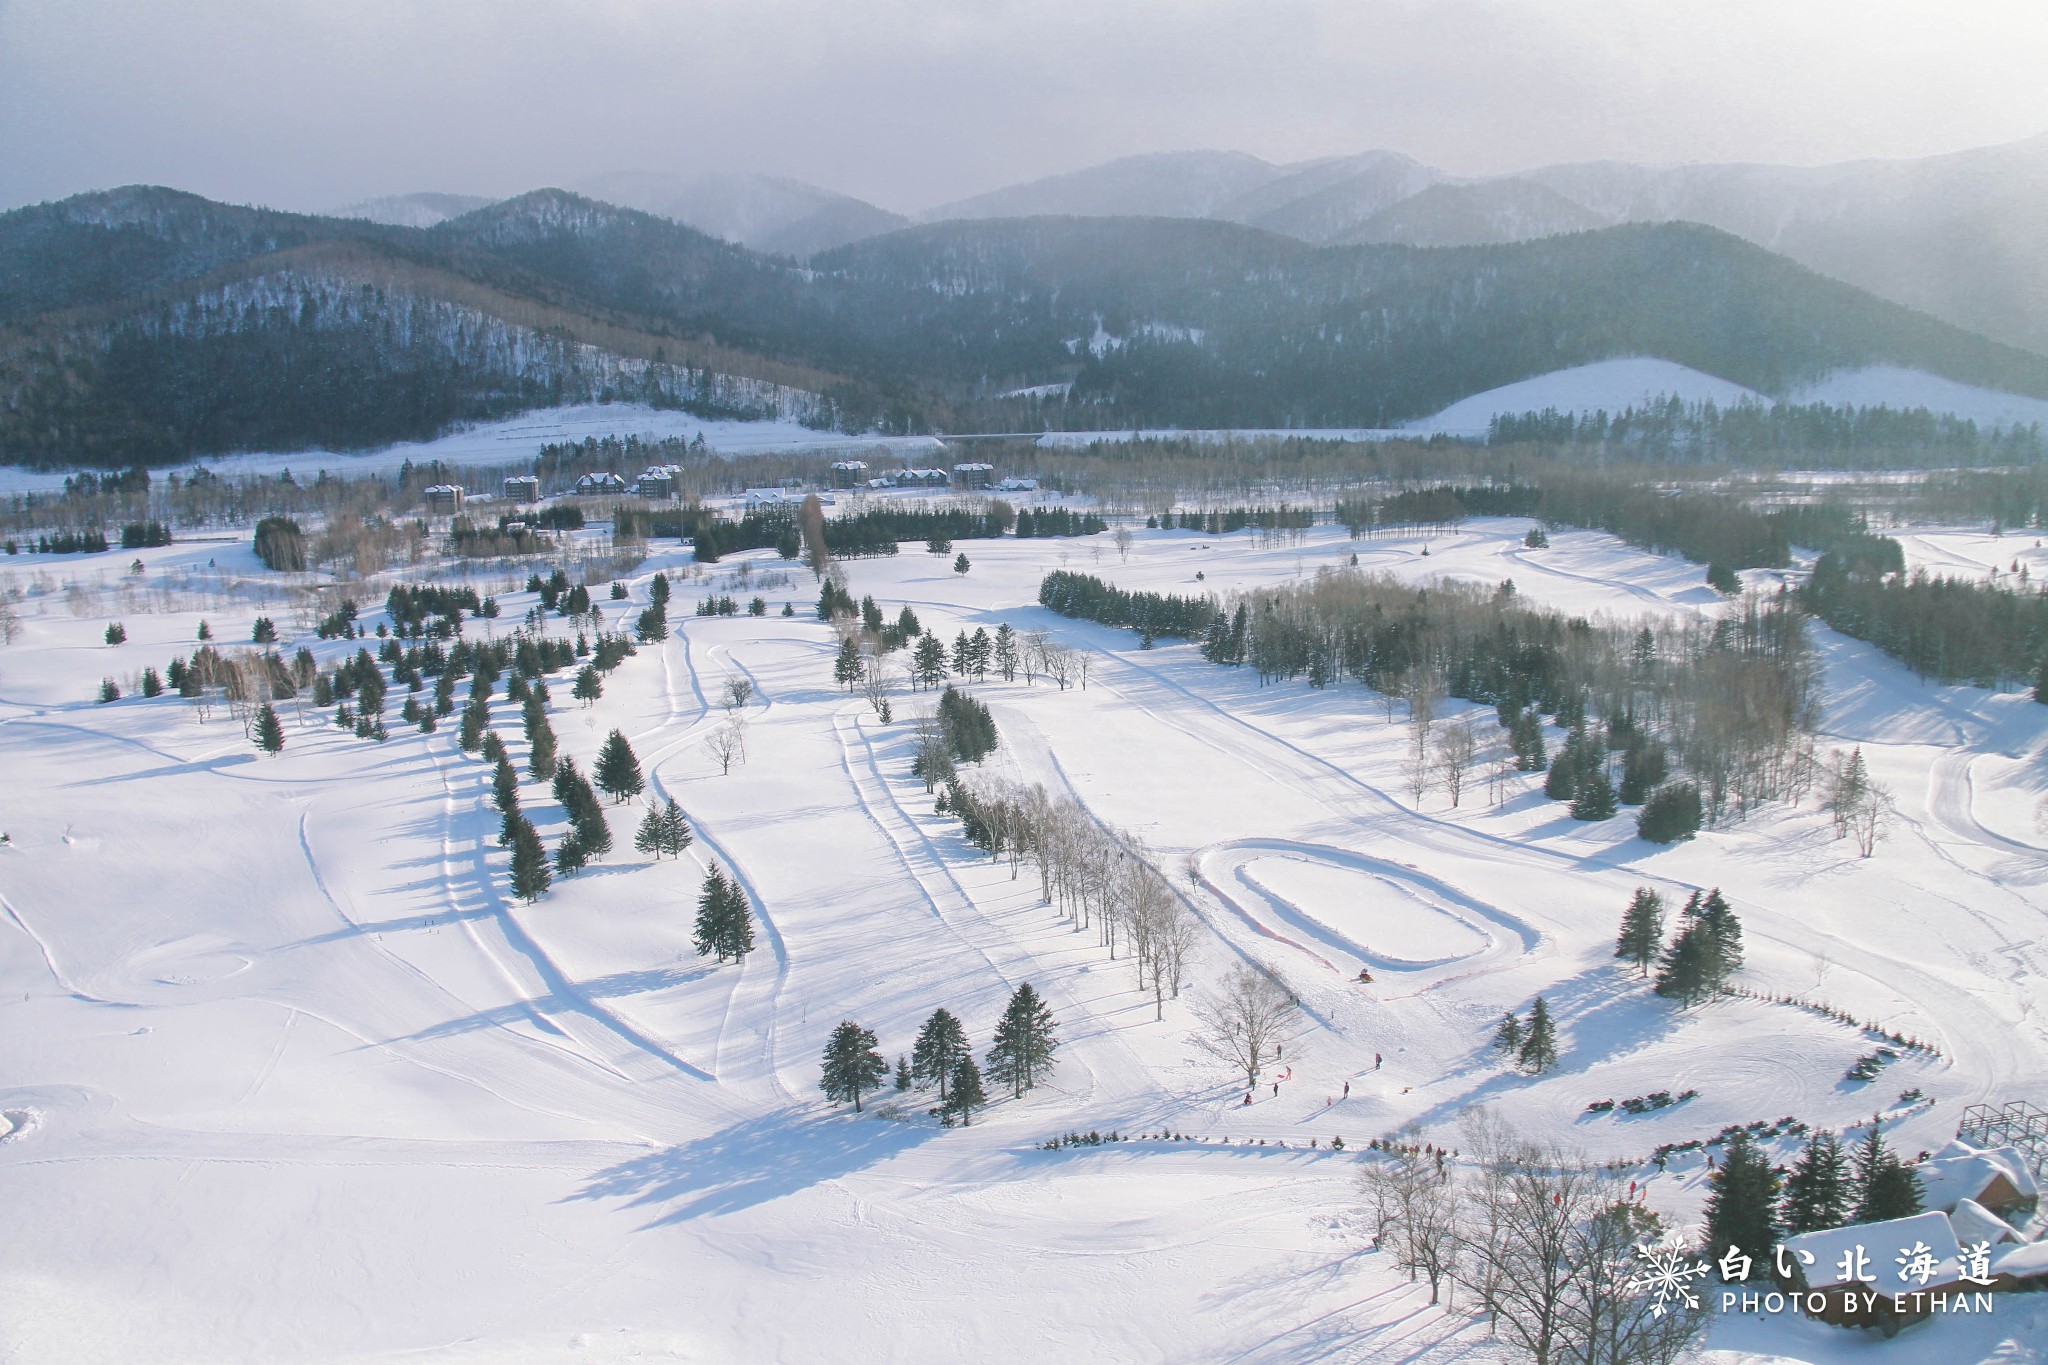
(1956, 235)
(148, 324)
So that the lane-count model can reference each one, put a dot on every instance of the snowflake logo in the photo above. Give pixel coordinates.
(1668, 1278)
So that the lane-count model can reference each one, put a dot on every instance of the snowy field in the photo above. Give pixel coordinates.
(287, 1075)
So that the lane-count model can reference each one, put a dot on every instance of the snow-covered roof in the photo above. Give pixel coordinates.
(2024, 1261)
(1963, 1171)
(1887, 1250)
(1975, 1223)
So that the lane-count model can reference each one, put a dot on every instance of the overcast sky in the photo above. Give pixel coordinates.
(310, 103)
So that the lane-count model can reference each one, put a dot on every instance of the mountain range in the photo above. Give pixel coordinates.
(146, 324)
(1957, 235)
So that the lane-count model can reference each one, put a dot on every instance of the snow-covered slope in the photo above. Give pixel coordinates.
(1608, 385)
(1894, 387)
(1612, 385)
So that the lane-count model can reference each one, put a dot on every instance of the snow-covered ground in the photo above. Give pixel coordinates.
(516, 440)
(1607, 385)
(288, 1076)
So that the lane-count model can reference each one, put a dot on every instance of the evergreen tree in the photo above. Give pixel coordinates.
(1006, 652)
(651, 837)
(1593, 793)
(1742, 1202)
(1642, 929)
(505, 787)
(967, 1093)
(902, 1072)
(589, 686)
(1886, 1187)
(675, 831)
(1507, 1039)
(960, 564)
(530, 875)
(540, 740)
(1672, 813)
(1817, 1190)
(1022, 1052)
(476, 717)
(570, 857)
(618, 771)
(846, 668)
(1563, 782)
(1539, 1049)
(928, 661)
(1686, 968)
(940, 1045)
(714, 910)
(852, 1065)
(1726, 932)
(269, 731)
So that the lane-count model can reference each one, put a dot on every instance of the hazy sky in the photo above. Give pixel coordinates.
(309, 103)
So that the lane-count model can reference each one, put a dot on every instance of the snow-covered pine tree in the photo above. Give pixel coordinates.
(651, 837)
(1539, 1047)
(846, 666)
(967, 1094)
(1006, 652)
(618, 771)
(737, 923)
(1507, 1039)
(940, 1045)
(1021, 1053)
(1685, 970)
(1726, 931)
(1642, 929)
(714, 909)
(269, 730)
(540, 739)
(476, 718)
(852, 1066)
(1742, 1202)
(1886, 1187)
(928, 661)
(1817, 1189)
(675, 830)
(530, 875)
(504, 786)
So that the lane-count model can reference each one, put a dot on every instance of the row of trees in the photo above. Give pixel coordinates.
(1751, 1203)
(1699, 960)
(1098, 877)
(1020, 1055)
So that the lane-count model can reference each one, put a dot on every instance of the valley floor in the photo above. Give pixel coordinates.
(288, 1076)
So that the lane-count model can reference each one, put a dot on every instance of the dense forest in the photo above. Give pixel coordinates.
(148, 326)
(1814, 434)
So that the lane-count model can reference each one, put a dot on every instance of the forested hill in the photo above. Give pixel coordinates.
(147, 324)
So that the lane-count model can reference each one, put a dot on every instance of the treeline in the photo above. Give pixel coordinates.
(1222, 521)
(1151, 614)
(867, 534)
(1057, 521)
(1733, 699)
(1949, 629)
(1812, 433)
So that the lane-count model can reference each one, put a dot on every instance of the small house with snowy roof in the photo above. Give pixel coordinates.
(1998, 1179)
(1883, 1275)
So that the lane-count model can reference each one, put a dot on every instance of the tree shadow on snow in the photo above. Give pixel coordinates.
(751, 1163)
